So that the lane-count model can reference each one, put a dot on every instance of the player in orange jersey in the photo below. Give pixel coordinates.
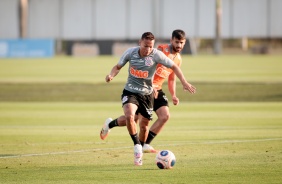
(161, 106)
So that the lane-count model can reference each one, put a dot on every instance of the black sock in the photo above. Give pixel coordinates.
(150, 137)
(142, 143)
(135, 139)
(113, 123)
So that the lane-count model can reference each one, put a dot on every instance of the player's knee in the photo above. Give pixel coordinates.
(143, 127)
(122, 120)
(164, 117)
(130, 118)
(135, 118)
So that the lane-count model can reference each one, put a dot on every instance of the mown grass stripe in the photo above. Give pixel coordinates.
(128, 147)
(87, 92)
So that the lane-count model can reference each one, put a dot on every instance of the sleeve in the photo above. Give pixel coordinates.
(161, 58)
(125, 57)
(160, 48)
(164, 48)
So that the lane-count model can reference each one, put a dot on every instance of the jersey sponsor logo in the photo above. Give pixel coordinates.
(139, 73)
(136, 88)
(162, 72)
(148, 61)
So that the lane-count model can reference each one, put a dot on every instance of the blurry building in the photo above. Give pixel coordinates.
(107, 25)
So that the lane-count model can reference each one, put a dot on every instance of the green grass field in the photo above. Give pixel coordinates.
(51, 112)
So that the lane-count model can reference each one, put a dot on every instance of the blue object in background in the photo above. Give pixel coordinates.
(22, 48)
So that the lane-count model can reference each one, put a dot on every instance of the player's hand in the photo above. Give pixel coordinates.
(109, 78)
(189, 87)
(175, 100)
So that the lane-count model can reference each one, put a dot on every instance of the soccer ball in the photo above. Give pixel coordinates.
(165, 159)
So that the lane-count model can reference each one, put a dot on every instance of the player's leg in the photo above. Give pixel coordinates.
(155, 129)
(163, 116)
(129, 112)
(130, 104)
(110, 123)
(120, 121)
(146, 110)
(143, 129)
(162, 110)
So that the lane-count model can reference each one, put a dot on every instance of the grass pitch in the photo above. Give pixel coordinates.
(93, 70)
(230, 133)
(217, 78)
(213, 143)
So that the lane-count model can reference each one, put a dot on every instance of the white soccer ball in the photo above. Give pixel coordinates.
(165, 159)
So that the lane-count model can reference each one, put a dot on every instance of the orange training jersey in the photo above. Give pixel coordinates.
(163, 72)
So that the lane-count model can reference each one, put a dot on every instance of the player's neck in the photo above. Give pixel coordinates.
(174, 55)
(172, 51)
(141, 55)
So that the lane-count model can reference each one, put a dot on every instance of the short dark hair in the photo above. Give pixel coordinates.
(179, 34)
(148, 36)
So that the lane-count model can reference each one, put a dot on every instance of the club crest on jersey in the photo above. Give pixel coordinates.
(148, 61)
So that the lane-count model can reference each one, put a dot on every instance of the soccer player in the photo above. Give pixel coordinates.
(172, 51)
(138, 93)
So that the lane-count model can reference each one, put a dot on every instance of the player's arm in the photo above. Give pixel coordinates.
(186, 86)
(172, 88)
(172, 85)
(115, 70)
(163, 59)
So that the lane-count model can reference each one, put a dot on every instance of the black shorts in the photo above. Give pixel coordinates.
(144, 102)
(160, 101)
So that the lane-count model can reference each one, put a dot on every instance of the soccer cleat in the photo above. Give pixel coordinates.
(138, 154)
(147, 148)
(105, 129)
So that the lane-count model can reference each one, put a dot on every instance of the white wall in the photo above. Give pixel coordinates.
(275, 21)
(44, 19)
(128, 19)
(9, 21)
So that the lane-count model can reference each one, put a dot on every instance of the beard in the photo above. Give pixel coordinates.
(176, 49)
